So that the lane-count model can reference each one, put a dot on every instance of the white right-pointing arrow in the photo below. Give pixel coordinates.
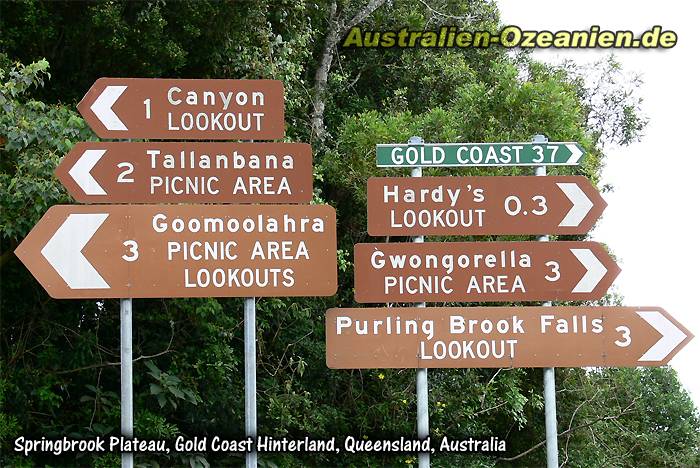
(671, 335)
(582, 204)
(595, 270)
(80, 172)
(575, 154)
(102, 107)
(64, 251)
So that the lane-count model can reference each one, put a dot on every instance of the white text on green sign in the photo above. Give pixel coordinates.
(479, 154)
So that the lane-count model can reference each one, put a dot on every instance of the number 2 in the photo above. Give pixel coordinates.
(129, 169)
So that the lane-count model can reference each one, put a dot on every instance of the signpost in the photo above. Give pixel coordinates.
(157, 108)
(479, 154)
(422, 412)
(399, 206)
(126, 372)
(148, 251)
(188, 172)
(548, 377)
(142, 251)
(145, 251)
(482, 271)
(473, 206)
(471, 337)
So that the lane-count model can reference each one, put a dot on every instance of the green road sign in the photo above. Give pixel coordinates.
(479, 154)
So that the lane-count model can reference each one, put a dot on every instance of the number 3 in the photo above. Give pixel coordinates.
(542, 203)
(133, 250)
(540, 154)
(555, 271)
(625, 334)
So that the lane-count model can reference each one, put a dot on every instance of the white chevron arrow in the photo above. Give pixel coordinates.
(102, 107)
(582, 204)
(64, 251)
(671, 335)
(80, 172)
(575, 154)
(595, 270)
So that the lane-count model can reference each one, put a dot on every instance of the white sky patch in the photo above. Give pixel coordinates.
(652, 215)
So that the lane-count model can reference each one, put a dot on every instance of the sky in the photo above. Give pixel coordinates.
(651, 219)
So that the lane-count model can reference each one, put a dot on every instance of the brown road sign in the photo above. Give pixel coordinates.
(188, 172)
(107, 251)
(449, 337)
(482, 271)
(401, 206)
(185, 109)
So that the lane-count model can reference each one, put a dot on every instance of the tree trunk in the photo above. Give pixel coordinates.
(337, 27)
(318, 131)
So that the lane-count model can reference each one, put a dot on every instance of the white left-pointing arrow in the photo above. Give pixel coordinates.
(671, 335)
(64, 251)
(582, 204)
(102, 107)
(80, 172)
(595, 270)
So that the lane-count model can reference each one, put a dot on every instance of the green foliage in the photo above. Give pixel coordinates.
(647, 419)
(59, 359)
(33, 135)
(168, 388)
(9, 428)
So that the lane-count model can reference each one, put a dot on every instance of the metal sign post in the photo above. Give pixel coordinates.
(126, 367)
(127, 387)
(550, 394)
(251, 412)
(250, 381)
(144, 249)
(423, 426)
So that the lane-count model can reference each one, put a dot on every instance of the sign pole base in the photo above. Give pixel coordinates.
(422, 410)
(251, 414)
(127, 388)
(550, 418)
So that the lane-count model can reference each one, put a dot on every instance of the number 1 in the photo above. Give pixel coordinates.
(147, 103)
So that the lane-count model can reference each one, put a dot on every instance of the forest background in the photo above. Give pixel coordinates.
(59, 360)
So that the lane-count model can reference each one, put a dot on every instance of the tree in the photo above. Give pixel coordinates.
(59, 359)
